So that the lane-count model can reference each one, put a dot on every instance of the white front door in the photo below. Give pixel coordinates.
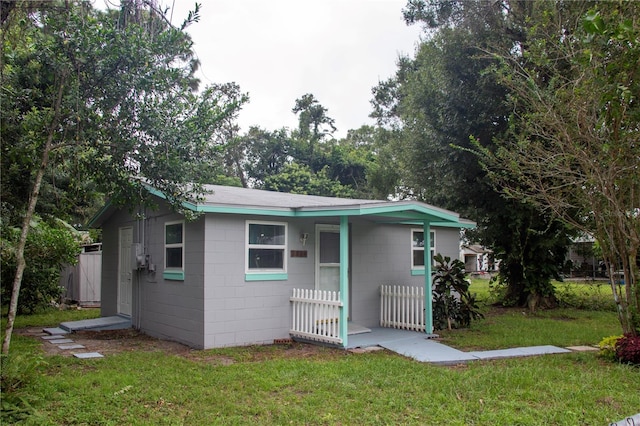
(124, 271)
(328, 257)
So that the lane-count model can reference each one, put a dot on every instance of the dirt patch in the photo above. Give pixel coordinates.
(110, 342)
(609, 401)
(563, 318)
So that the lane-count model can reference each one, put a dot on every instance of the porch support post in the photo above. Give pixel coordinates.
(428, 296)
(344, 278)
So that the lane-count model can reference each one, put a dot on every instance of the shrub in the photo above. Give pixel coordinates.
(454, 306)
(628, 349)
(498, 290)
(49, 247)
(608, 347)
(588, 296)
(16, 373)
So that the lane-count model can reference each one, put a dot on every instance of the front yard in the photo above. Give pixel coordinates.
(142, 381)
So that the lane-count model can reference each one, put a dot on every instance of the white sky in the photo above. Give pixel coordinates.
(278, 50)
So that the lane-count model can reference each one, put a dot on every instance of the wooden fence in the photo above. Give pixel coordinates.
(316, 315)
(402, 307)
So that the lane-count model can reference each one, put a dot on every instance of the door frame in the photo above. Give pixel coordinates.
(327, 227)
(320, 228)
(120, 272)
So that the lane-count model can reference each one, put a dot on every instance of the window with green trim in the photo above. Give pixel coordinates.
(174, 246)
(417, 248)
(266, 247)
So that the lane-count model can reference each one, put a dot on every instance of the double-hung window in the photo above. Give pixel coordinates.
(266, 250)
(417, 249)
(174, 250)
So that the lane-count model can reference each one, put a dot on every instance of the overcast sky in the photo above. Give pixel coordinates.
(278, 50)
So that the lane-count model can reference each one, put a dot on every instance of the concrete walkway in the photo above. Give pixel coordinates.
(422, 348)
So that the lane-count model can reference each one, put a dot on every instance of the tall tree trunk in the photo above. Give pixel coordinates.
(33, 200)
(240, 172)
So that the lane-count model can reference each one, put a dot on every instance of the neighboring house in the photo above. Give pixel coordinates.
(581, 260)
(228, 277)
(478, 260)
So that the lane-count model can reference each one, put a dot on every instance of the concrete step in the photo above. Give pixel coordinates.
(104, 323)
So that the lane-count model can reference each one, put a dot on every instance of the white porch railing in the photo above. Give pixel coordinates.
(316, 315)
(402, 307)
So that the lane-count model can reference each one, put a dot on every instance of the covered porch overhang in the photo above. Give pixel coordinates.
(406, 213)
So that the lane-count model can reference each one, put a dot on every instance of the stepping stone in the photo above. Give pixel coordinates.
(366, 350)
(61, 341)
(55, 330)
(76, 346)
(582, 348)
(49, 337)
(89, 355)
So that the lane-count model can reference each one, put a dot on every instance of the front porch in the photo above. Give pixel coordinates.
(320, 316)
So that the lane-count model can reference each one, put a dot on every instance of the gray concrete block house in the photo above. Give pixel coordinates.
(258, 266)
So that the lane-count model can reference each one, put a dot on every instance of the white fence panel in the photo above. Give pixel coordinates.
(82, 281)
(402, 307)
(90, 269)
(316, 315)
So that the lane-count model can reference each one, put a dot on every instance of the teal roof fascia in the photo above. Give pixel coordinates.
(400, 211)
(93, 221)
(410, 216)
(464, 224)
(328, 212)
(461, 224)
(413, 208)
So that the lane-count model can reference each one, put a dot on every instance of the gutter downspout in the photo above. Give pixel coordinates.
(428, 298)
(344, 278)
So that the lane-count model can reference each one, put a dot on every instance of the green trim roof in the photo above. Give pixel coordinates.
(246, 201)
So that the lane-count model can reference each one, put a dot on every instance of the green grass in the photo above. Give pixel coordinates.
(337, 388)
(480, 287)
(50, 317)
(266, 385)
(510, 327)
(592, 295)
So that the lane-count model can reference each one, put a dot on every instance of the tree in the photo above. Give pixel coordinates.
(266, 153)
(113, 90)
(352, 159)
(229, 143)
(573, 148)
(305, 160)
(383, 176)
(433, 104)
(299, 179)
(50, 245)
(314, 125)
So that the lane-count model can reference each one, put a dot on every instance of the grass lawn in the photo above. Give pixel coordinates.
(266, 385)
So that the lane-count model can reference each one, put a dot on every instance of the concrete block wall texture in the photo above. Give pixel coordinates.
(241, 312)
